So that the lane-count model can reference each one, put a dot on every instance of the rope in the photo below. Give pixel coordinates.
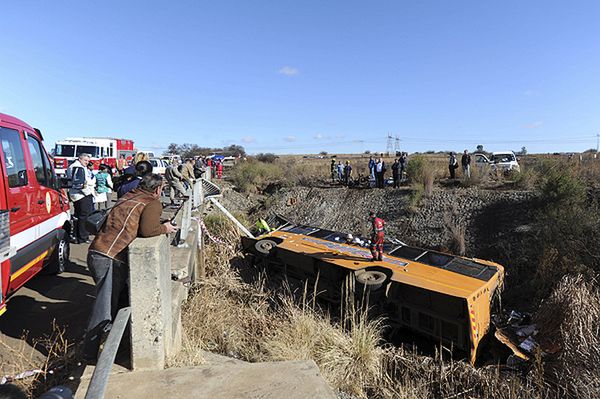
(202, 228)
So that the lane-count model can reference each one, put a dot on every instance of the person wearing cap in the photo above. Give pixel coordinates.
(377, 237)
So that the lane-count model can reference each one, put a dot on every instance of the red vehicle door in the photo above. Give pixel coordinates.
(21, 198)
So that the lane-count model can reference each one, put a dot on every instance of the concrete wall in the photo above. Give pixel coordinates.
(150, 295)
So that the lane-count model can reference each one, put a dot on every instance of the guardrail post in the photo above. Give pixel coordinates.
(186, 217)
(150, 296)
(196, 193)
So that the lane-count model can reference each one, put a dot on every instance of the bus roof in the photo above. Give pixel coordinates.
(431, 270)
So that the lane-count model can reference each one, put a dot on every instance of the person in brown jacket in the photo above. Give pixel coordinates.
(187, 171)
(136, 214)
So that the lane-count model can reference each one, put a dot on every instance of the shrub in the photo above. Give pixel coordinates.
(526, 179)
(560, 188)
(255, 175)
(414, 169)
(267, 157)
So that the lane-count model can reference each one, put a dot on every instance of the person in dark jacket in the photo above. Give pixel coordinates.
(403, 164)
(372, 167)
(347, 173)
(136, 213)
(452, 165)
(133, 175)
(466, 164)
(395, 171)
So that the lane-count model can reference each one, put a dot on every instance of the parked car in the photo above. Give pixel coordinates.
(159, 165)
(502, 161)
(34, 210)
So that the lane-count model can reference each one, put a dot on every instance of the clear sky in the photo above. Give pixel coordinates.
(305, 76)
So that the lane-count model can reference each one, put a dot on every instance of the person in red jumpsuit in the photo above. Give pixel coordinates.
(219, 170)
(377, 237)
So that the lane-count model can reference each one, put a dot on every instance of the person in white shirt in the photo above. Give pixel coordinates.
(380, 173)
(82, 195)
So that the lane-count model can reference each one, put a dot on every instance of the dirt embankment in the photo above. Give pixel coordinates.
(498, 214)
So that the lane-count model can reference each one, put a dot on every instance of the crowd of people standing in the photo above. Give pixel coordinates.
(342, 172)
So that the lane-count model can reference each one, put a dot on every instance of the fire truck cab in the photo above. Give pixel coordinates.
(104, 150)
(34, 211)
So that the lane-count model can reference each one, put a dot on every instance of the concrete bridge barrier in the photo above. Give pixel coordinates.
(152, 335)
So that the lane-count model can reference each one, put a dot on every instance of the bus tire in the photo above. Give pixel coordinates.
(264, 247)
(371, 279)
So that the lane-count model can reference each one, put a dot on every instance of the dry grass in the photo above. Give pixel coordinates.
(250, 322)
(457, 244)
(54, 367)
(428, 177)
(570, 322)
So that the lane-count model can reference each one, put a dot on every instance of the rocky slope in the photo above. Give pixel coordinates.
(501, 214)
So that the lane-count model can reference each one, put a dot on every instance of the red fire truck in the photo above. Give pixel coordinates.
(34, 210)
(103, 150)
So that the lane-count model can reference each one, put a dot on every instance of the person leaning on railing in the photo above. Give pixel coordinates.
(136, 214)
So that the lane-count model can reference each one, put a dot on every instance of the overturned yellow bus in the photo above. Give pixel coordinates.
(441, 296)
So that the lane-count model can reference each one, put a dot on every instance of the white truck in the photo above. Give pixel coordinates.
(501, 161)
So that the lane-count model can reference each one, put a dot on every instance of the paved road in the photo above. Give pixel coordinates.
(65, 299)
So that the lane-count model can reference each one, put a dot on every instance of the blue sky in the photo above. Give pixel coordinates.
(305, 76)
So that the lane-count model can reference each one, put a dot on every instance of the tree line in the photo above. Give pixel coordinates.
(188, 150)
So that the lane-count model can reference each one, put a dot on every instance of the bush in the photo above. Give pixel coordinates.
(560, 188)
(414, 169)
(255, 175)
(267, 157)
(526, 179)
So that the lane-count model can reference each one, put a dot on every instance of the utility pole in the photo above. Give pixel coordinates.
(597, 145)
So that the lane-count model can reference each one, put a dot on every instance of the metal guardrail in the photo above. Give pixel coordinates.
(99, 381)
(210, 189)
